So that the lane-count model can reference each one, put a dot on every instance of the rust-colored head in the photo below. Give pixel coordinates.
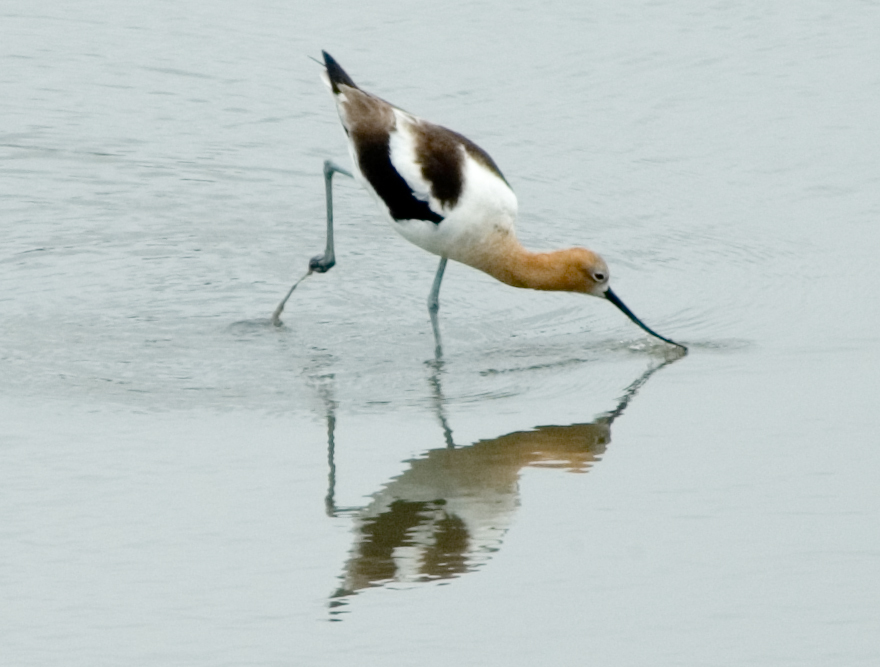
(569, 270)
(581, 270)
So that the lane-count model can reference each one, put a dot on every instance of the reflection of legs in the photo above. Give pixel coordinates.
(439, 400)
(434, 306)
(325, 262)
(326, 384)
(330, 498)
(319, 263)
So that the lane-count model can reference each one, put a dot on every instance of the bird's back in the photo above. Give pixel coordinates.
(442, 190)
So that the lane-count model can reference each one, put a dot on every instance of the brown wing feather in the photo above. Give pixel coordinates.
(369, 123)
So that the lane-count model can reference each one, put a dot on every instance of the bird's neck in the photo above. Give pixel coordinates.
(515, 265)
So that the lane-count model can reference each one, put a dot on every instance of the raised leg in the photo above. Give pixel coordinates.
(434, 306)
(325, 262)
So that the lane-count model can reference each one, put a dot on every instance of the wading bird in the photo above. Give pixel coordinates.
(445, 194)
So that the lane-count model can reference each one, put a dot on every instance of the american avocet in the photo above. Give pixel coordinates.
(446, 195)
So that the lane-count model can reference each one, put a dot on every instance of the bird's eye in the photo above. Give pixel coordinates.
(599, 277)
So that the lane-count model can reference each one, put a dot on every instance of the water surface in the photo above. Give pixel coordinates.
(183, 483)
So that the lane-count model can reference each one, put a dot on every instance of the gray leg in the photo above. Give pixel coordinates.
(434, 296)
(325, 262)
(434, 306)
(319, 263)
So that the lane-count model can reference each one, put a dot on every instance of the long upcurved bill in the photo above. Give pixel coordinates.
(612, 297)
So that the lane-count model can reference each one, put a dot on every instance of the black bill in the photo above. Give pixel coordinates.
(612, 297)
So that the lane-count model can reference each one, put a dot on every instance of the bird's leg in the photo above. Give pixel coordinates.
(434, 296)
(276, 316)
(319, 263)
(434, 306)
(325, 262)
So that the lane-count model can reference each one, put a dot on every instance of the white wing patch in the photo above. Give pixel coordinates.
(402, 152)
(485, 211)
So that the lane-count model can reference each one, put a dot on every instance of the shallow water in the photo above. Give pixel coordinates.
(184, 483)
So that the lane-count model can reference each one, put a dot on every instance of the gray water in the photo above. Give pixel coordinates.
(182, 483)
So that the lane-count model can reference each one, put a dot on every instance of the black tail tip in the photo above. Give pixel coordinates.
(336, 73)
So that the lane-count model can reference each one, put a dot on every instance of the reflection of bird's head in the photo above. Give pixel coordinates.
(573, 448)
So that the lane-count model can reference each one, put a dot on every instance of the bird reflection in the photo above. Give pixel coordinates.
(447, 513)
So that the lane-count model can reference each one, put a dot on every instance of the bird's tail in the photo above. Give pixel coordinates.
(336, 75)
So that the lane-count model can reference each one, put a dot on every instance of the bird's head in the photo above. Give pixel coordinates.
(588, 273)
